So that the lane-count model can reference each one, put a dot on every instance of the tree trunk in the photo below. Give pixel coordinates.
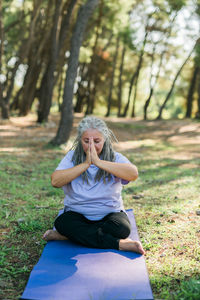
(93, 66)
(47, 85)
(160, 63)
(3, 105)
(79, 101)
(88, 98)
(65, 25)
(173, 84)
(22, 53)
(146, 105)
(198, 99)
(15, 104)
(120, 81)
(35, 57)
(81, 93)
(60, 89)
(29, 88)
(67, 17)
(129, 94)
(112, 78)
(135, 76)
(66, 120)
(191, 92)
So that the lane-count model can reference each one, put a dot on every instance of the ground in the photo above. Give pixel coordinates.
(165, 198)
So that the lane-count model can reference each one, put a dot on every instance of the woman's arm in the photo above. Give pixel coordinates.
(124, 171)
(61, 177)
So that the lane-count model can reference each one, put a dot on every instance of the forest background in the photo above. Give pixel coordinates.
(124, 58)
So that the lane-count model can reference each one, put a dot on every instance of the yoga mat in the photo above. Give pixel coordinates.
(68, 271)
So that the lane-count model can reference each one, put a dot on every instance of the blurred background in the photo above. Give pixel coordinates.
(126, 58)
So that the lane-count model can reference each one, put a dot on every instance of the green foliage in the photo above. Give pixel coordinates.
(140, 25)
(177, 4)
(127, 37)
(14, 30)
(189, 290)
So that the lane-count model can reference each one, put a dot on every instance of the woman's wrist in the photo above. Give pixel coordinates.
(98, 163)
(86, 165)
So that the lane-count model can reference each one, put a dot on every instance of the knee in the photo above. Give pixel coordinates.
(62, 224)
(68, 224)
(59, 225)
(120, 230)
(124, 230)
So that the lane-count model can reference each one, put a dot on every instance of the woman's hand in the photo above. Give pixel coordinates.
(88, 156)
(93, 152)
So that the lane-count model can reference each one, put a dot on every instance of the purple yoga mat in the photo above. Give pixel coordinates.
(67, 271)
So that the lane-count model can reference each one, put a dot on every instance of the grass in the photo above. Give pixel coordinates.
(164, 198)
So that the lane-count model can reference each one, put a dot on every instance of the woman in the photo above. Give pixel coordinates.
(91, 176)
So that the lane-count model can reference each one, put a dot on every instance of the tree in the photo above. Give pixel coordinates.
(35, 44)
(47, 84)
(112, 78)
(135, 75)
(173, 83)
(66, 120)
(191, 91)
(154, 77)
(3, 105)
(56, 46)
(120, 81)
(20, 39)
(198, 99)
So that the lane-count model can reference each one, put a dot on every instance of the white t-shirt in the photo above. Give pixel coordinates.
(93, 199)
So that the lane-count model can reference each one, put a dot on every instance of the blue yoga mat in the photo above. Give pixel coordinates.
(68, 271)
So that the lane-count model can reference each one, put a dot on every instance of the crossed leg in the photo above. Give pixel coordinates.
(110, 232)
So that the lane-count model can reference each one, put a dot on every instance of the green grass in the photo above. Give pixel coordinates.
(164, 199)
(29, 205)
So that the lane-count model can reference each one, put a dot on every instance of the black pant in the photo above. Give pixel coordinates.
(104, 233)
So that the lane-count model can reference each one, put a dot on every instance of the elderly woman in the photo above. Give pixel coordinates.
(92, 175)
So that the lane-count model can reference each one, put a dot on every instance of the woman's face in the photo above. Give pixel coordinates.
(96, 136)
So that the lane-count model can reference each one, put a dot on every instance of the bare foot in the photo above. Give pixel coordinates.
(130, 245)
(53, 235)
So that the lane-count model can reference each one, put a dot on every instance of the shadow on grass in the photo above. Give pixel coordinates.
(163, 174)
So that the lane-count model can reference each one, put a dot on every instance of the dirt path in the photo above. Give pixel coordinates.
(22, 135)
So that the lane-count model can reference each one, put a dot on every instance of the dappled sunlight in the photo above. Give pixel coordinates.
(127, 145)
(190, 128)
(14, 149)
(184, 140)
(185, 155)
(189, 166)
(183, 180)
(24, 121)
(8, 134)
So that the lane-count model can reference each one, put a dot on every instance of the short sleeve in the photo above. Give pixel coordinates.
(122, 159)
(66, 162)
